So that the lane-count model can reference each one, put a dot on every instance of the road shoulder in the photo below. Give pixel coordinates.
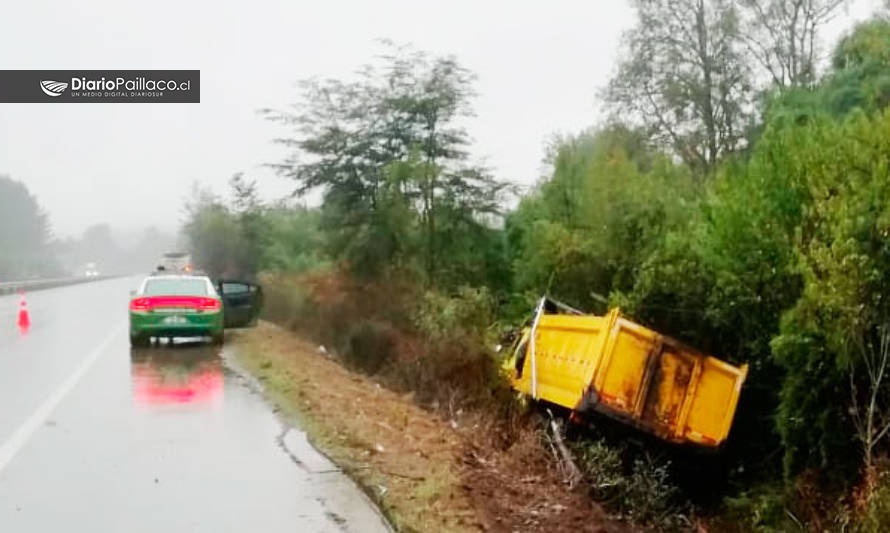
(405, 458)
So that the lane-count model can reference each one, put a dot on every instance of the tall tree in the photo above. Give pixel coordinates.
(389, 154)
(857, 80)
(24, 232)
(434, 95)
(685, 78)
(214, 234)
(248, 209)
(782, 36)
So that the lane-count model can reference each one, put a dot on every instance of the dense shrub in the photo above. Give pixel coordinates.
(634, 485)
(455, 361)
(370, 345)
(876, 513)
(761, 509)
(436, 345)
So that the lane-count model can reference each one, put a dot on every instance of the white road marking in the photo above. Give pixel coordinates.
(15, 443)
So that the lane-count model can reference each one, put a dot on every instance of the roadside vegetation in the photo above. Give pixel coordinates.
(427, 471)
(739, 200)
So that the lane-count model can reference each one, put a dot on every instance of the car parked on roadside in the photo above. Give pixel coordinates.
(175, 305)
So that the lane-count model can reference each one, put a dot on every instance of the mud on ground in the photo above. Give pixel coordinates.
(426, 473)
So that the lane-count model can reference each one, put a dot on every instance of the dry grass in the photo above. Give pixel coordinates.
(478, 470)
(406, 458)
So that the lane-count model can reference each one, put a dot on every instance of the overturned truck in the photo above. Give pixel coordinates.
(613, 366)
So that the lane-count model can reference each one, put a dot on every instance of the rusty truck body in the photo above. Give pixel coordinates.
(616, 367)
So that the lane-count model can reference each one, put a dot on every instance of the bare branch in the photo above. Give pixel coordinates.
(782, 36)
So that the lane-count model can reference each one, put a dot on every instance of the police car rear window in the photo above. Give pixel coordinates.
(175, 287)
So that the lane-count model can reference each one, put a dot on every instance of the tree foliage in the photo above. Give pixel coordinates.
(684, 77)
(241, 236)
(582, 234)
(692, 70)
(218, 237)
(24, 234)
(389, 154)
(843, 255)
(782, 36)
(858, 79)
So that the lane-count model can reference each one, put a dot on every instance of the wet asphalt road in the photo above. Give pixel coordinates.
(96, 437)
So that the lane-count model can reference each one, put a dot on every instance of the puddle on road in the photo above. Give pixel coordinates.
(182, 373)
(296, 445)
(188, 375)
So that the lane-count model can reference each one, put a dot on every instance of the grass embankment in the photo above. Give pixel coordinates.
(404, 457)
(427, 473)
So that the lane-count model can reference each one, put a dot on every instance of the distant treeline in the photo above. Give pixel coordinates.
(29, 249)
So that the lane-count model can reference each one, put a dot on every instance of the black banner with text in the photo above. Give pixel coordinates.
(100, 86)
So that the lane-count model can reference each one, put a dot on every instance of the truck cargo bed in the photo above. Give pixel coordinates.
(611, 365)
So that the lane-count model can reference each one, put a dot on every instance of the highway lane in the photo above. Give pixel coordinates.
(97, 437)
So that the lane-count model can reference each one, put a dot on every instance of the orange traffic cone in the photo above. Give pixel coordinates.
(24, 316)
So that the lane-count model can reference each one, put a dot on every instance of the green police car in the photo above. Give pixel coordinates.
(190, 306)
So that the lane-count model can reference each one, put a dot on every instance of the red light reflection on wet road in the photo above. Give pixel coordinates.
(163, 376)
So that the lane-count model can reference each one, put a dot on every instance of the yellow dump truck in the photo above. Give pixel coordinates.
(613, 366)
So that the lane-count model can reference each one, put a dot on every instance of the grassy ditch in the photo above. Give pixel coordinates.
(427, 472)
(406, 459)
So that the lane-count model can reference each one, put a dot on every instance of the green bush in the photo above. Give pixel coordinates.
(602, 468)
(761, 509)
(464, 316)
(651, 498)
(640, 491)
(876, 515)
(450, 357)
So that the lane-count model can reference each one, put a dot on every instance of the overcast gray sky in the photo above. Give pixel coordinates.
(539, 66)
